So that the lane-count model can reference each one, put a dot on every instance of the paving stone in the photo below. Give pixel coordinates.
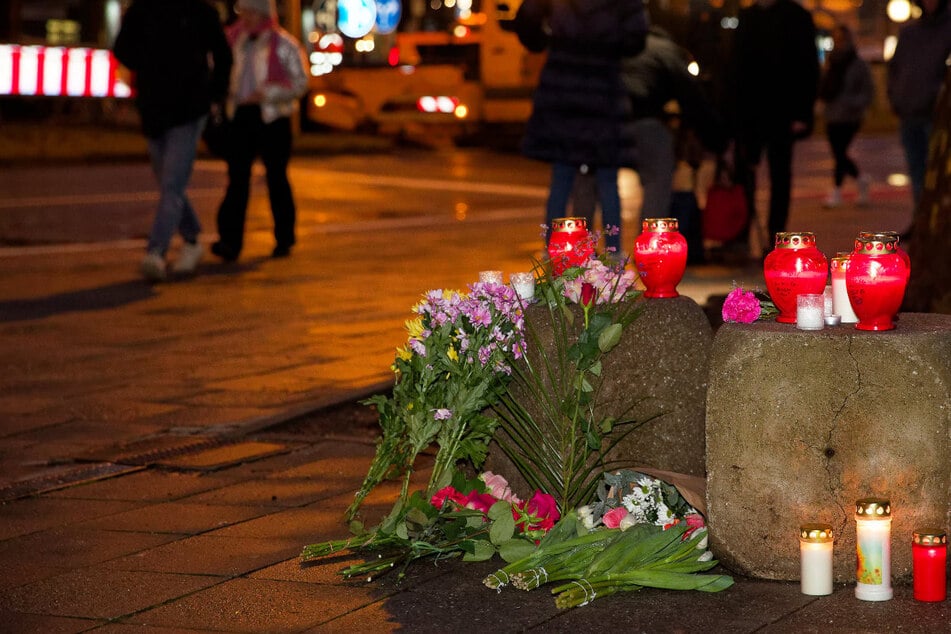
(75, 547)
(210, 555)
(305, 524)
(20, 622)
(36, 514)
(146, 486)
(176, 517)
(100, 593)
(252, 605)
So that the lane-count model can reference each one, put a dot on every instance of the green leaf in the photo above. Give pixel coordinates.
(502, 529)
(607, 425)
(595, 368)
(482, 551)
(417, 517)
(516, 549)
(610, 337)
(500, 509)
(401, 531)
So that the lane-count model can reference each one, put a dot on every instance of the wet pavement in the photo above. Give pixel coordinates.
(166, 451)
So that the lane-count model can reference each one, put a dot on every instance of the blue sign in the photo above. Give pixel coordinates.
(355, 18)
(388, 14)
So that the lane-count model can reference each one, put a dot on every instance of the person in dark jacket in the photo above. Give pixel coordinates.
(776, 76)
(581, 112)
(847, 90)
(915, 75)
(181, 62)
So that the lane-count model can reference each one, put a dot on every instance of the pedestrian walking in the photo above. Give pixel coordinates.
(775, 77)
(846, 90)
(580, 112)
(181, 61)
(267, 80)
(915, 75)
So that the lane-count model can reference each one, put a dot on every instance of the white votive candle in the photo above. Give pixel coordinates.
(810, 312)
(490, 277)
(815, 552)
(524, 285)
(841, 305)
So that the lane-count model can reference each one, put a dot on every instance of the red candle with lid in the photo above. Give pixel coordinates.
(929, 560)
(570, 244)
(660, 256)
(794, 267)
(876, 280)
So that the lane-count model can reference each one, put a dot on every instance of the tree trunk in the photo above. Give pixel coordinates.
(929, 289)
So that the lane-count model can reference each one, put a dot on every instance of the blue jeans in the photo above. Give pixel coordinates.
(915, 134)
(562, 181)
(173, 155)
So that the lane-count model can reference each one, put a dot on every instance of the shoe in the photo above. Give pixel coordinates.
(834, 199)
(224, 251)
(281, 251)
(153, 267)
(865, 185)
(188, 258)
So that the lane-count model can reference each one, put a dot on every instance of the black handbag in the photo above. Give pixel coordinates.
(217, 134)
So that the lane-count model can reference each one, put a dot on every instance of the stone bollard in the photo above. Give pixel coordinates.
(800, 425)
(659, 368)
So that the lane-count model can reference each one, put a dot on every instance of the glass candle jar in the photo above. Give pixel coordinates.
(810, 312)
(523, 284)
(873, 549)
(815, 552)
(660, 256)
(794, 267)
(929, 560)
(840, 296)
(569, 244)
(490, 277)
(875, 280)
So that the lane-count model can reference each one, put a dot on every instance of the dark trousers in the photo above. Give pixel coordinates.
(272, 142)
(840, 137)
(778, 145)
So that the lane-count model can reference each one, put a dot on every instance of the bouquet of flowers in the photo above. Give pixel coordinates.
(456, 360)
(549, 425)
(745, 307)
(591, 553)
(476, 519)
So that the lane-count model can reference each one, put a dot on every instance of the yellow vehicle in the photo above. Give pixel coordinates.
(456, 79)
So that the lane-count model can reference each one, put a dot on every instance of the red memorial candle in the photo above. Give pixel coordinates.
(794, 267)
(875, 280)
(569, 244)
(660, 256)
(929, 560)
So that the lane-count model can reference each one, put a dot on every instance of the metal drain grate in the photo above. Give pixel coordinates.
(155, 450)
(61, 479)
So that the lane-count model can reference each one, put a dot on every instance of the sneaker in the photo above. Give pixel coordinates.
(153, 267)
(188, 258)
(834, 199)
(865, 185)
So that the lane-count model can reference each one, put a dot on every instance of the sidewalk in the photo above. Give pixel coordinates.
(166, 451)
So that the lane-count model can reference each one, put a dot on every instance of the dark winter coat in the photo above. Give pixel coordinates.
(776, 68)
(167, 44)
(917, 69)
(659, 75)
(580, 107)
(846, 88)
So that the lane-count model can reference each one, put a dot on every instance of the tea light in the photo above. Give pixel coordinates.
(832, 320)
(929, 560)
(524, 285)
(815, 552)
(490, 277)
(827, 302)
(873, 549)
(810, 311)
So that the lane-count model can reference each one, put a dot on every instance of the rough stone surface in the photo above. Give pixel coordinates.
(658, 370)
(800, 425)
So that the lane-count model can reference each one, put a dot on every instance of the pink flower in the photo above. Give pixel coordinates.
(498, 487)
(479, 501)
(612, 519)
(447, 493)
(741, 307)
(694, 521)
(537, 515)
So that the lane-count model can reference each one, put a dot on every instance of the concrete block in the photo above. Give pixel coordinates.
(659, 368)
(801, 424)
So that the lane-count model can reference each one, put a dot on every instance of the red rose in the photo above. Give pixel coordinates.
(479, 501)
(538, 514)
(447, 493)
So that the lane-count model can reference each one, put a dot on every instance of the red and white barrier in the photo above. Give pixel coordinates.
(54, 71)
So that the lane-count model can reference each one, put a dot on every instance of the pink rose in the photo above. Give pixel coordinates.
(612, 519)
(447, 493)
(694, 521)
(741, 307)
(499, 487)
(479, 501)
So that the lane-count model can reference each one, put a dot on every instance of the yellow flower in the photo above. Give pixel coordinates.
(403, 353)
(415, 328)
(452, 354)
(449, 294)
